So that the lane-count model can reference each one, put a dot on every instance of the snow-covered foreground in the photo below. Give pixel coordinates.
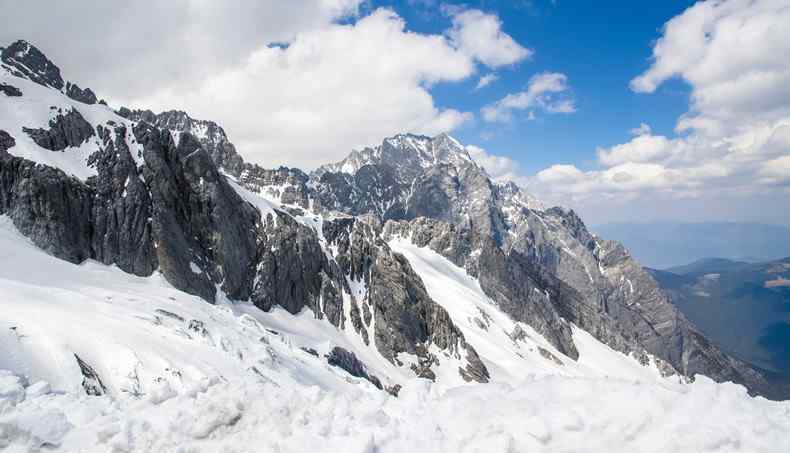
(183, 375)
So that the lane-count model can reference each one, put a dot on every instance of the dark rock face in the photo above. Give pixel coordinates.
(293, 272)
(287, 185)
(27, 61)
(121, 207)
(406, 318)
(48, 206)
(661, 327)
(348, 361)
(65, 130)
(86, 96)
(161, 199)
(91, 381)
(6, 141)
(10, 90)
(205, 233)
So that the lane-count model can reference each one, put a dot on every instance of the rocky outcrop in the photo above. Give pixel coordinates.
(293, 271)
(10, 90)
(47, 206)
(205, 233)
(86, 96)
(91, 382)
(6, 141)
(288, 186)
(660, 326)
(25, 60)
(164, 198)
(65, 130)
(407, 320)
(106, 218)
(121, 207)
(348, 361)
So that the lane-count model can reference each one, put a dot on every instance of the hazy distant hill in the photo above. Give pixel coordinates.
(665, 244)
(745, 308)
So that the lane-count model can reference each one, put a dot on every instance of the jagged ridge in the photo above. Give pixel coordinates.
(172, 204)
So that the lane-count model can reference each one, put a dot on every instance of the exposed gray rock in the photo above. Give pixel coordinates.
(65, 130)
(406, 318)
(91, 381)
(549, 356)
(6, 141)
(122, 230)
(86, 96)
(48, 206)
(310, 351)
(293, 271)
(10, 90)
(171, 208)
(25, 60)
(199, 221)
(347, 360)
(287, 185)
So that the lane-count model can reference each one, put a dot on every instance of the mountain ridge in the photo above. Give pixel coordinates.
(167, 193)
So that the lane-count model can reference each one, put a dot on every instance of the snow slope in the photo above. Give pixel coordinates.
(35, 108)
(241, 382)
(491, 331)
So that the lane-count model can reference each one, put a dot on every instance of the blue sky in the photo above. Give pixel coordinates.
(600, 46)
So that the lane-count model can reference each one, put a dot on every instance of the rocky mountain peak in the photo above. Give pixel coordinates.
(410, 152)
(25, 60)
(168, 192)
(32, 64)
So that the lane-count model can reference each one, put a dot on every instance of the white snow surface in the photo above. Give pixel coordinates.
(34, 109)
(238, 380)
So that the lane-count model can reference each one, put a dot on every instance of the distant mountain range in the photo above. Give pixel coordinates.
(662, 245)
(743, 307)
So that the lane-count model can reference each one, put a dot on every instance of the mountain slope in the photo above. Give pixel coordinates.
(742, 306)
(183, 374)
(401, 266)
(165, 195)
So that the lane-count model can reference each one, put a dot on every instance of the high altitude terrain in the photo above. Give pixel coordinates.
(745, 307)
(158, 278)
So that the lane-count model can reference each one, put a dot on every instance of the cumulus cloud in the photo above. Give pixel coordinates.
(546, 91)
(734, 140)
(480, 36)
(499, 168)
(486, 80)
(125, 50)
(298, 83)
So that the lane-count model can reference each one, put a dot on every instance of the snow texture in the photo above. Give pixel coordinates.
(183, 375)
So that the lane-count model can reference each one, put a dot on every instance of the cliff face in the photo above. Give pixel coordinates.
(167, 193)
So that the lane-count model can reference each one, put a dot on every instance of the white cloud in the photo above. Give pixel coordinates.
(486, 80)
(545, 91)
(480, 36)
(330, 90)
(775, 171)
(500, 168)
(643, 129)
(732, 53)
(125, 50)
(643, 148)
(733, 143)
(329, 85)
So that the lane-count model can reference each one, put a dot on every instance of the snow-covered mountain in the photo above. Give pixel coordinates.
(162, 294)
